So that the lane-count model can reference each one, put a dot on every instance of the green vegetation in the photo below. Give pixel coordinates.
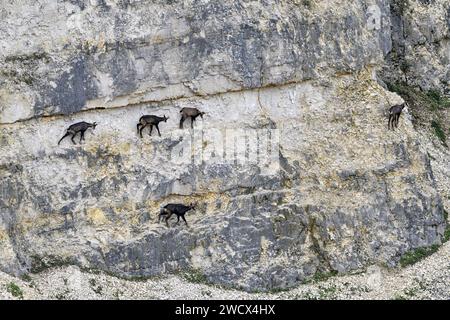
(15, 290)
(26, 277)
(307, 296)
(322, 276)
(447, 229)
(439, 100)
(194, 276)
(432, 99)
(413, 256)
(279, 290)
(446, 234)
(327, 293)
(411, 293)
(439, 132)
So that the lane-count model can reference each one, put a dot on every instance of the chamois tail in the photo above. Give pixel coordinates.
(63, 137)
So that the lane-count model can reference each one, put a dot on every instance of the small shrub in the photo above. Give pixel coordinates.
(439, 132)
(411, 292)
(15, 290)
(195, 276)
(326, 293)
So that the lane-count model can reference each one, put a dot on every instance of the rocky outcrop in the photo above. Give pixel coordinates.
(292, 167)
(420, 54)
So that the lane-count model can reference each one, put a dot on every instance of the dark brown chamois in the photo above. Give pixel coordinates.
(80, 127)
(394, 115)
(150, 120)
(175, 208)
(190, 113)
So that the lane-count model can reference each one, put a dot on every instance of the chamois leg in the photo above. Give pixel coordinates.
(81, 136)
(167, 218)
(73, 136)
(184, 219)
(157, 128)
(142, 128)
(192, 122)
(396, 120)
(181, 121)
(178, 220)
(162, 214)
(67, 134)
(151, 129)
(138, 126)
(391, 121)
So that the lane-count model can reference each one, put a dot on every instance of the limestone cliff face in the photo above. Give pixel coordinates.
(420, 54)
(338, 193)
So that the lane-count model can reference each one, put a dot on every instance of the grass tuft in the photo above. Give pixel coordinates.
(15, 290)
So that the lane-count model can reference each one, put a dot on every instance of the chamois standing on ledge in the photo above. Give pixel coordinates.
(394, 115)
(80, 127)
(175, 208)
(150, 120)
(190, 113)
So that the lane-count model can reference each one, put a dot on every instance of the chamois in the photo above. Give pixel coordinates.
(190, 112)
(80, 127)
(394, 115)
(150, 120)
(175, 208)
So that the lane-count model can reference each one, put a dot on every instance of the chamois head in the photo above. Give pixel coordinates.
(193, 206)
(201, 114)
(165, 118)
(94, 125)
